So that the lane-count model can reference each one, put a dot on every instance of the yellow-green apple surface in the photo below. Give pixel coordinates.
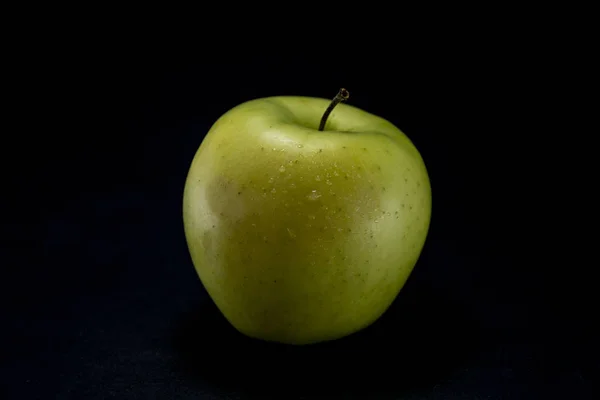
(302, 235)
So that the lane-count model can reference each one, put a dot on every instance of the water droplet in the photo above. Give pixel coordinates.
(376, 220)
(282, 169)
(300, 145)
(274, 149)
(328, 182)
(273, 190)
(339, 229)
(318, 178)
(271, 180)
(292, 185)
(314, 195)
(335, 173)
(312, 217)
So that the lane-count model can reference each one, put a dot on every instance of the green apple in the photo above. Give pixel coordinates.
(302, 235)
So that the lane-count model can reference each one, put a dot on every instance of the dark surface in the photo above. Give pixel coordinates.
(103, 300)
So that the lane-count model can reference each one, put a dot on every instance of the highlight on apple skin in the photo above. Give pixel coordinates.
(302, 235)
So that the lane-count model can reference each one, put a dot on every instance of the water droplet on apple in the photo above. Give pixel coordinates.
(274, 149)
(299, 145)
(314, 195)
(318, 178)
(335, 173)
(328, 182)
(273, 190)
(271, 179)
(282, 169)
(292, 185)
(376, 220)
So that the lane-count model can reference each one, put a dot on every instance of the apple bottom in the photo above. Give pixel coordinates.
(293, 303)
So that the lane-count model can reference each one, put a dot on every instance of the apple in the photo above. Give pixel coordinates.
(303, 233)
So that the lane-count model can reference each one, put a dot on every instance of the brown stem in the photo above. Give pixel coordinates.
(342, 95)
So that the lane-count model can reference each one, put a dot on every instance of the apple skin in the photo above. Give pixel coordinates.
(301, 236)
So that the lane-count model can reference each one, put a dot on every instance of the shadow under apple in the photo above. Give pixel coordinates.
(421, 340)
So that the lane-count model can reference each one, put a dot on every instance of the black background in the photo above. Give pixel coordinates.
(103, 301)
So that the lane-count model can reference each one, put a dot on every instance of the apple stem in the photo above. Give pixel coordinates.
(342, 95)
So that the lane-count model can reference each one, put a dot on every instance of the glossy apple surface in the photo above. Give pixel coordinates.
(299, 235)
